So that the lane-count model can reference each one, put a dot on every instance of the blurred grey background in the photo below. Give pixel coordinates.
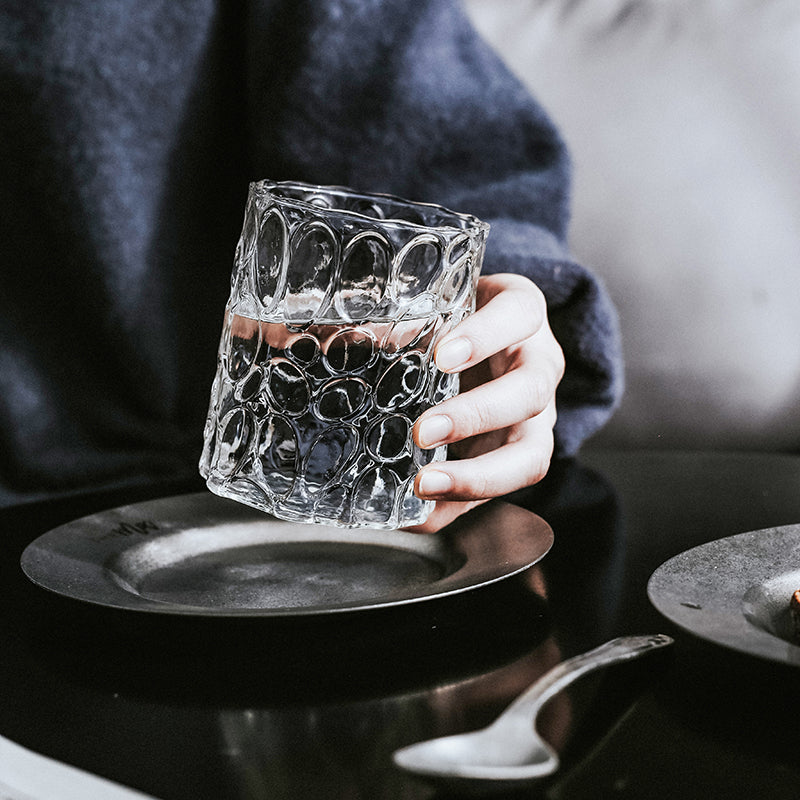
(683, 118)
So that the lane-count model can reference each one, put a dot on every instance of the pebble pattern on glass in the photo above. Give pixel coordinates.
(326, 354)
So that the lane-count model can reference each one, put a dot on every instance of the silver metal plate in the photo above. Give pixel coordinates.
(735, 591)
(200, 554)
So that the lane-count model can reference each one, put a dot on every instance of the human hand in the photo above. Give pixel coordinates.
(500, 425)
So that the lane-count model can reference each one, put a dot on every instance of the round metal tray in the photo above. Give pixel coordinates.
(200, 554)
(736, 591)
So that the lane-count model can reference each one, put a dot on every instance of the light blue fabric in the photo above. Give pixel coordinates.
(129, 131)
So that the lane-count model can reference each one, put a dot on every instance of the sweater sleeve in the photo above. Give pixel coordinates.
(406, 98)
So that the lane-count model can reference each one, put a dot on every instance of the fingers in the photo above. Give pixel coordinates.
(510, 310)
(516, 378)
(518, 463)
(511, 398)
(502, 421)
(443, 514)
(510, 360)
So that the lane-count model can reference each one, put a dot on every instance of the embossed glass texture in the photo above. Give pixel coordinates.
(326, 357)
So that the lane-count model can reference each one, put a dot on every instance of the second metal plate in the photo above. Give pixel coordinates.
(735, 592)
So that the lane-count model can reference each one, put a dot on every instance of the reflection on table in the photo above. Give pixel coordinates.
(249, 708)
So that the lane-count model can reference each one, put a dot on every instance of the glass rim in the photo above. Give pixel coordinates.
(469, 221)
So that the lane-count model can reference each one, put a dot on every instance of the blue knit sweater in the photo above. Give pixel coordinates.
(129, 131)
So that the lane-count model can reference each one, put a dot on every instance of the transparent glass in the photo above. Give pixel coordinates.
(326, 357)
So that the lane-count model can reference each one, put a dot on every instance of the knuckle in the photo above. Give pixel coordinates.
(543, 373)
(559, 361)
(529, 303)
(538, 467)
(548, 351)
(476, 487)
(536, 445)
(519, 299)
(549, 418)
(475, 415)
(541, 455)
(471, 482)
(539, 390)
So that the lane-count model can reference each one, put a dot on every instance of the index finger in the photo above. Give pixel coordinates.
(511, 308)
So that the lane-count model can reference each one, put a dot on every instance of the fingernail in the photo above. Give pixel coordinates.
(453, 354)
(433, 483)
(434, 430)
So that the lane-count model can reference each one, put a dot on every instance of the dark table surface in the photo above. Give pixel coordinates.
(313, 708)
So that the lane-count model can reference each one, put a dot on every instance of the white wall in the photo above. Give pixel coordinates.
(683, 118)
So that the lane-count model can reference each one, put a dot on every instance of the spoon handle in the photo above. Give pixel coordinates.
(527, 705)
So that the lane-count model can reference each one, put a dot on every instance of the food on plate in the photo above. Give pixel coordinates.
(794, 610)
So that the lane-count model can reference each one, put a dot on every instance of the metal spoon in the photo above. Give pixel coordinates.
(510, 750)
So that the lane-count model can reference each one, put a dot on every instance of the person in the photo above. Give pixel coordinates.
(130, 131)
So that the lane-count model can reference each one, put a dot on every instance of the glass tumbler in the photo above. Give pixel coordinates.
(326, 357)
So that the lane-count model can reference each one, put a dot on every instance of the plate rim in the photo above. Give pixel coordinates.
(725, 601)
(116, 596)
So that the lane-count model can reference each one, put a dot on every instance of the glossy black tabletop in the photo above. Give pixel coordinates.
(312, 708)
